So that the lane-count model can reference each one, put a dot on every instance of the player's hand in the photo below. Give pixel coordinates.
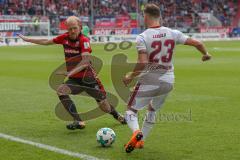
(127, 79)
(22, 37)
(206, 57)
(1, 40)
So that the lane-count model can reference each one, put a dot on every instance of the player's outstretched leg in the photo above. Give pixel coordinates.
(132, 121)
(140, 144)
(148, 123)
(71, 108)
(76, 125)
(147, 126)
(100, 96)
(132, 143)
(106, 107)
(150, 117)
(63, 92)
(116, 115)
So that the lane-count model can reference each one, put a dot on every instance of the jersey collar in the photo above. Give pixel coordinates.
(75, 40)
(155, 26)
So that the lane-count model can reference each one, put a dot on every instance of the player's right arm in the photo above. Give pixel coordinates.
(199, 46)
(36, 41)
(183, 39)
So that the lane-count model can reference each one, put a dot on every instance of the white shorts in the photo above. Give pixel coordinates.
(145, 94)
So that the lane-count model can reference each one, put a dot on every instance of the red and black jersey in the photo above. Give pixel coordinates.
(73, 50)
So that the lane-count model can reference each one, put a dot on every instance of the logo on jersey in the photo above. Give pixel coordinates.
(86, 45)
(71, 51)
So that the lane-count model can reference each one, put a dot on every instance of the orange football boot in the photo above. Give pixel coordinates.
(140, 144)
(136, 137)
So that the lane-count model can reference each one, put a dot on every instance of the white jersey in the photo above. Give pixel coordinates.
(159, 43)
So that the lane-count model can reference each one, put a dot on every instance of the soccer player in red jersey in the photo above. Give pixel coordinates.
(80, 73)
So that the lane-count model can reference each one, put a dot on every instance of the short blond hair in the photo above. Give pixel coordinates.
(73, 19)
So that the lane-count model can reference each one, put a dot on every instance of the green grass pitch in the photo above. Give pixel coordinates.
(206, 94)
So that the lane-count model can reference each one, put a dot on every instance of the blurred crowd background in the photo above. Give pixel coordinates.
(126, 16)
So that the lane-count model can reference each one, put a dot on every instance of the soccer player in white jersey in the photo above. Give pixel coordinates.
(154, 69)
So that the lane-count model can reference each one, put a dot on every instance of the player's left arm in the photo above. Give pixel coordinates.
(139, 67)
(199, 46)
(142, 60)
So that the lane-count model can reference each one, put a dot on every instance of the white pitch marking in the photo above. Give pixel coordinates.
(48, 147)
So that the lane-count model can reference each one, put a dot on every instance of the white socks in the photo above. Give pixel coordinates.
(132, 120)
(148, 123)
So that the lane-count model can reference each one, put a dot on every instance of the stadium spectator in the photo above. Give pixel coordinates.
(183, 13)
(175, 13)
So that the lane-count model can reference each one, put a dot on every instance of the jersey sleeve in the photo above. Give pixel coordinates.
(85, 45)
(59, 39)
(140, 43)
(180, 38)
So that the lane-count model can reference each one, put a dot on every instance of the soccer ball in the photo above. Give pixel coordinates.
(106, 137)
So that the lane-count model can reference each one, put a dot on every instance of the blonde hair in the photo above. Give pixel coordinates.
(73, 19)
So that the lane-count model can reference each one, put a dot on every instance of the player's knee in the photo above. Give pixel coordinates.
(130, 115)
(63, 90)
(150, 117)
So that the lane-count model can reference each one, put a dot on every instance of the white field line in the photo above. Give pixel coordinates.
(48, 147)
(213, 48)
(225, 49)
